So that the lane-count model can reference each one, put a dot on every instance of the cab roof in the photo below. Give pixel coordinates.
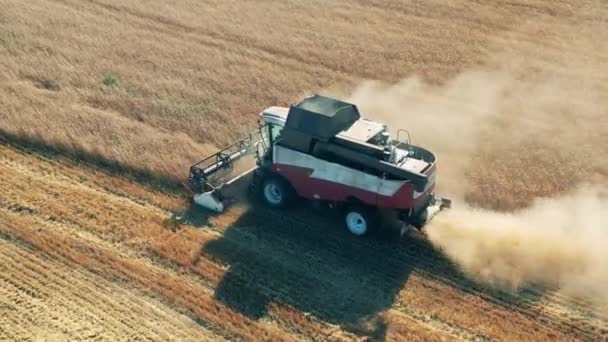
(321, 117)
(361, 130)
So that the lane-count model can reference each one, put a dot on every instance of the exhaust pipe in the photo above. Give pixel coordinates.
(438, 205)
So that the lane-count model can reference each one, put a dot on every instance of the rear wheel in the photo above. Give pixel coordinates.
(359, 221)
(276, 192)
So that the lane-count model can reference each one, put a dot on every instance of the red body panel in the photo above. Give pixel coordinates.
(314, 188)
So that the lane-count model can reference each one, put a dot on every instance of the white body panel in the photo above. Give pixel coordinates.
(336, 173)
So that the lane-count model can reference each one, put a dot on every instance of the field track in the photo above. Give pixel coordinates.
(242, 277)
(58, 299)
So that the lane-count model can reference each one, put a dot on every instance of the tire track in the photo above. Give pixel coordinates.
(96, 311)
(111, 312)
(49, 283)
(41, 312)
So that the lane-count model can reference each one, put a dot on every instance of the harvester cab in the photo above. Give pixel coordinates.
(322, 150)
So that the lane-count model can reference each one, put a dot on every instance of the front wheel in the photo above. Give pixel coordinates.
(276, 192)
(359, 221)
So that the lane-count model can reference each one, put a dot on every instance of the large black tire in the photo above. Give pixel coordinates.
(360, 221)
(275, 192)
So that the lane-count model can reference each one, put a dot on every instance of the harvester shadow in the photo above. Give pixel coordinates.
(276, 257)
(309, 262)
(312, 266)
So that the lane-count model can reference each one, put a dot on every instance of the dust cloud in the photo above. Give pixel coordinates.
(559, 242)
(446, 119)
(489, 119)
(548, 135)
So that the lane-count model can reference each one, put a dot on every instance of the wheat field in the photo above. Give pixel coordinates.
(105, 104)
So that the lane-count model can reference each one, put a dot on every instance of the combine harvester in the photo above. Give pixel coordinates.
(322, 150)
